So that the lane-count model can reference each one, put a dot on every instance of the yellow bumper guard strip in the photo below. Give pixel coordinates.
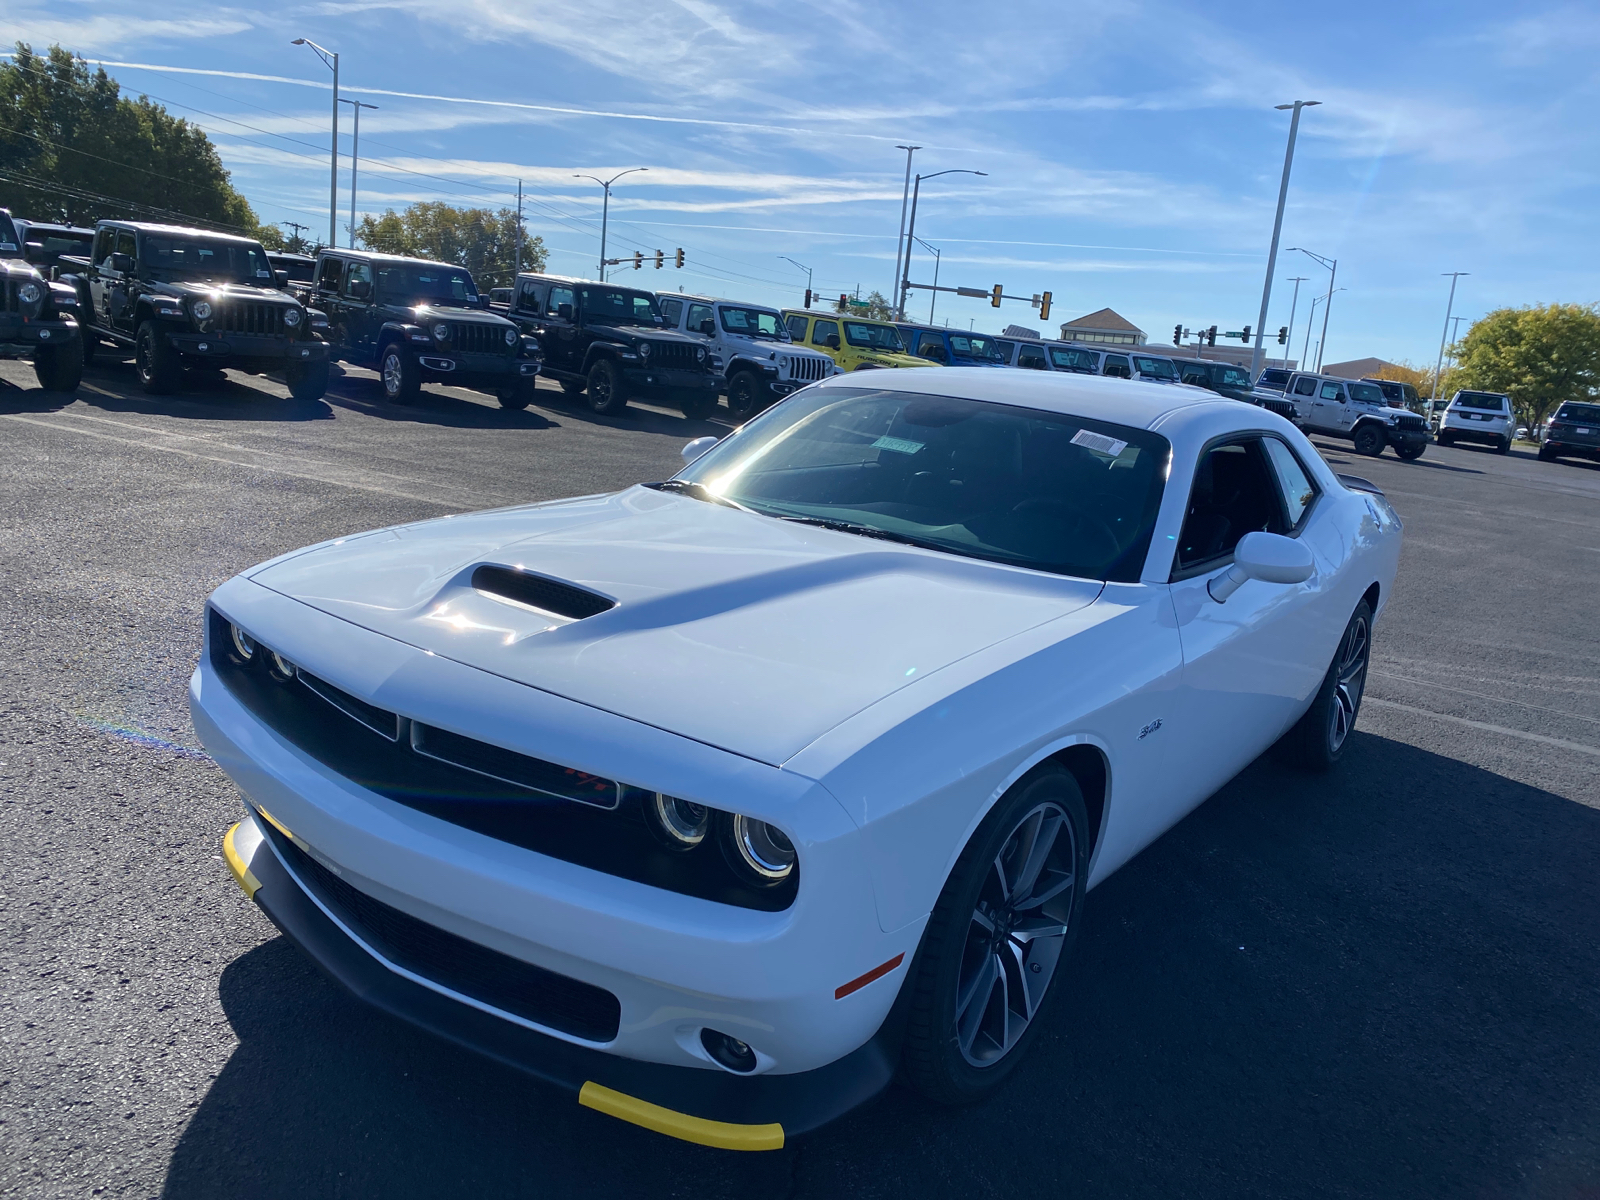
(723, 1135)
(247, 882)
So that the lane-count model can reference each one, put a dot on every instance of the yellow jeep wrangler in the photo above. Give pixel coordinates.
(852, 342)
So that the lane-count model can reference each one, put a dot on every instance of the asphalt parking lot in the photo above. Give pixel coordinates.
(1379, 983)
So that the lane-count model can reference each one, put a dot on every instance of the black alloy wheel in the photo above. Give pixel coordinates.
(999, 933)
(402, 380)
(1369, 440)
(608, 395)
(307, 381)
(155, 362)
(514, 396)
(744, 394)
(1319, 738)
(59, 367)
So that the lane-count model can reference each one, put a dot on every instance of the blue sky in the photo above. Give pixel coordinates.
(1132, 149)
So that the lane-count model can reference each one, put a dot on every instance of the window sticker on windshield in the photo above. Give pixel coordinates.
(1099, 443)
(8, 245)
(263, 274)
(900, 445)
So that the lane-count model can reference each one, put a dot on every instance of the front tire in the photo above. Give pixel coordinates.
(744, 395)
(1411, 453)
(1319, 738)
(59, 367)
(608, 396)
(307, 381)
(1004, 923)
(402, 381)
(1369, 440)
(155, 362)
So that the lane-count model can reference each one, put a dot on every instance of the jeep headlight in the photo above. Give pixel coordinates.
(201, 310)
(511, 337)
(700, 353)
(644, 349)
(31, 296)
(291, 318)
(441, 332)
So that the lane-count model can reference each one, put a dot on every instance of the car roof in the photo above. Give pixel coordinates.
(54, 225)
(1121, 401)
(186, 230)
(376, 256)
(290, 254)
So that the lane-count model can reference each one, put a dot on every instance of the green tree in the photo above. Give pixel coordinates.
(877, 308)
(1540, 356)
(480, 239)
(72, 148)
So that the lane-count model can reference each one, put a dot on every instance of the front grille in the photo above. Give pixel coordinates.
(247, 317)
(519, 770)
(1412, 424)
(1284, 408)
(476, 338)
(451, 961)
(674, 354)
(549, 595)
(803, 366)
(8, 293)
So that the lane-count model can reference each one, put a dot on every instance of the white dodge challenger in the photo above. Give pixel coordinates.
(719, 800)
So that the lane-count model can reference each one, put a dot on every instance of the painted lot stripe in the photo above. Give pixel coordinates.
(1486, 727)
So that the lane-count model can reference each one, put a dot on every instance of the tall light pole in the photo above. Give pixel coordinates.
(804, 268)
(899, 238)
(1277, 229)
(605, 210)
(1305, 351)
(332, 61)
(1293, 304)
(933, 295)
(911, 234)
(1332, 265)
(1439, 366)
(355, 159)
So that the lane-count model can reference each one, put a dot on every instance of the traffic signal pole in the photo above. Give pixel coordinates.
(1277, 230)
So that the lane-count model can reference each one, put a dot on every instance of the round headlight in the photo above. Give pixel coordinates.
(244, 646)
(644, 349)
(680, 824)
(511, 337)
(202, 310)
(279, 667)
(701, 354)
(291, 317)
(30, 293)
(441, 332)
(760, 852)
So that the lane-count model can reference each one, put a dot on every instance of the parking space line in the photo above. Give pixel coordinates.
(1481, 696)
(1561, 743)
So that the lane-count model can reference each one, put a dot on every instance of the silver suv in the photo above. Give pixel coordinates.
(1483, 417)
(760, 361)
(1351, 409)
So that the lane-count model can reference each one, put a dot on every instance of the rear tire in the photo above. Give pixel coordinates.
(156, 363)
(1446, 440)
(697, 406)
(307, 381)
(402, 381)
(1369, 440)
(608, 395)
(1411, 453)
(1547, 455)
(1504, 446)
(1319, 738)
(59, 367)
(985, 970)
(744, 395)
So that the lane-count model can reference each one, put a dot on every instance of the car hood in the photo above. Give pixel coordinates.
(745, 632)
(450, 312)
(227, 291)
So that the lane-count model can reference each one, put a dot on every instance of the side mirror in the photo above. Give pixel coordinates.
(360, 289)
(282, 277)
(564, 311)
(708, 327)
(831, 341)
(122, 263)
(1269, 557)
(699, 446)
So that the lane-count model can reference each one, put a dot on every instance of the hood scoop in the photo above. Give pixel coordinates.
(536, 591)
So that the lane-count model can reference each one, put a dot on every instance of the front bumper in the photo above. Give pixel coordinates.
(669, 379)
(711, 1108)
(236, 345)
(1407, 437)
(20, 338)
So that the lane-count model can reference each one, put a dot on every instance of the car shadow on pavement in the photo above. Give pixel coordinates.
(1339, 456)
(1379, 982)
(203, 397)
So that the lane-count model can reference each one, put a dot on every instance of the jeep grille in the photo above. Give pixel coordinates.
(259, 320)
(8, 292)
(803, 366)
(1411, 421)
(478, 339)
(672, 355)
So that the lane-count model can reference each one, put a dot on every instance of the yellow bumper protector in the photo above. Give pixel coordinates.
(247, 882)
(722, 1135)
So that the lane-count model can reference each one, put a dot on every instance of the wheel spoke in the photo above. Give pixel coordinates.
(974, 1001)
(1046, 828)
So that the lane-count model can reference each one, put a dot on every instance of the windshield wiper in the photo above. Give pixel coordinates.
(870, 531)
(698, 490)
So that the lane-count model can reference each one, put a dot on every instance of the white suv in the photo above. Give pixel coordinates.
(1478, 417)
(760, 362)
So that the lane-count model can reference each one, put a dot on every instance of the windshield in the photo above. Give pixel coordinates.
(1156, 368)
(1273, 379)
(873, 337)
(1067, 359)
(1481, 400)
(1234, 377)
(1366, 393)
(755, 323)
(217, 260)
(1014, 485)
(1579, 412)
(618, 306)
(9, 246)
(970, 345)
(418, 283)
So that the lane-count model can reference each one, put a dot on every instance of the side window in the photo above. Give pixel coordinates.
(1298, 490)
(672, 310)
(1032, 357)
(1332, 391)
(700, 319)
(1305, 386)
(359, 272)
(1117, 365)
(125, 243)
(328, 274)
(528, 297)
(103, 241)
(559, 295)
(797, 326)
(1235, 492)
(931, 346)
(822, 331)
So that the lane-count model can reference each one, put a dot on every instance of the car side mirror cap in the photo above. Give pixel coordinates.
(699, 446)
(831, 341)
(360, 289)
(564, 311)
(122, 263)
(282, 277)
(1269, 557)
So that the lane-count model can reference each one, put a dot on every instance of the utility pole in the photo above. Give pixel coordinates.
(901, 236)
(1293, 304)
(355, 158)
(331, 60)
(297, 239)
(1448, 308)
(1277, 229)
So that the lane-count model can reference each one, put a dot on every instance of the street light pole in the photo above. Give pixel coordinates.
(802, 266)
(933, 296)
(1439, 366)
(330, 59)
(605, 209)
(1332, 265)
(1277, 229)
(355, 158)
(1293, 304)
(900, 237)
(904, 283)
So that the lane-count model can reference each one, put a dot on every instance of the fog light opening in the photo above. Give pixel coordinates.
(728, 1052)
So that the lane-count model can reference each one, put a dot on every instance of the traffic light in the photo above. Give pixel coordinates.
(638, 259)
(660, 260)
(680, 256)
(1044, 307)
(994, 296)
(1245, 336)
(1283, 335)
(1211, 336)
(808, 297)
(844, 301)
(1177, 334)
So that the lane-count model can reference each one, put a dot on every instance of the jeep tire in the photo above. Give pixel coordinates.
(608, 395)
(515, 395)
(60, 366)
(154, 361)
(307, 381)
(745, 390)
(398, 372)
(1411, 451)
(1369, 440)
(1546, 454)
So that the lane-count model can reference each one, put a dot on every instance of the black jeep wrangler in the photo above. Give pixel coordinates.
(37, 318)
(612, 342)
(418, 322)
(192, 298)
